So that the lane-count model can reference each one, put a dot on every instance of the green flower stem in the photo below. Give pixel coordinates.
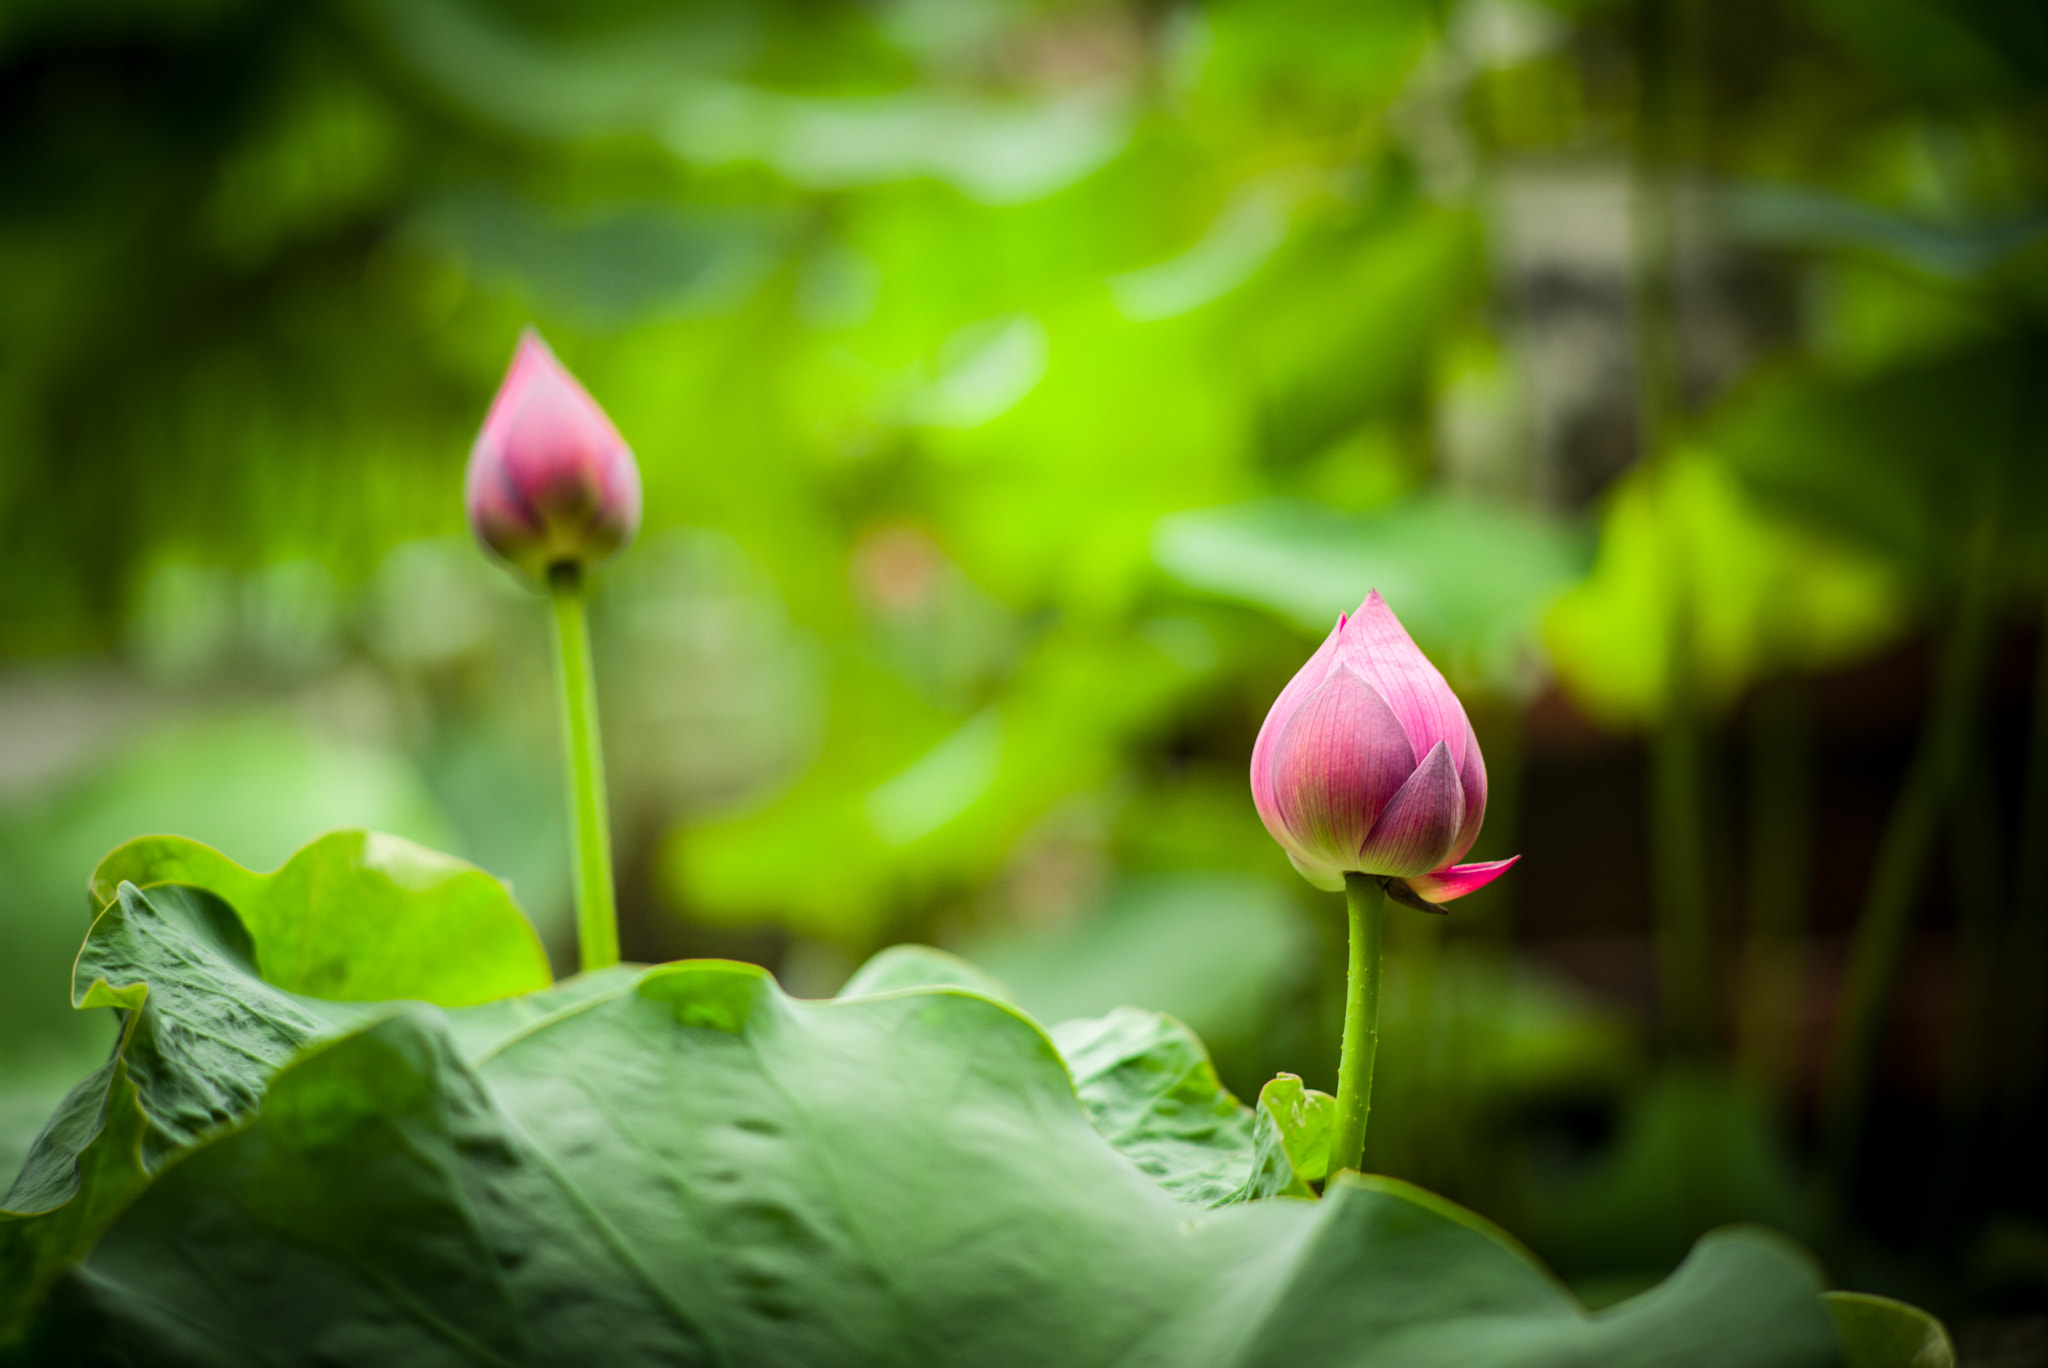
(1365, 901)
(1879, 940)
(1665, 114)
(1659, 52)
(1685, 945)
(597, 914)
(1780, 884)
(1973, 1044)
(2026, 1033)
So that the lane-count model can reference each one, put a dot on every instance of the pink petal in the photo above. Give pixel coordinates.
(1339, 760)
(1277, 717)
(494, 502)
(1377, 646)
(530, 360)
(1415, 831)
(1442, 885)
(1472, 781)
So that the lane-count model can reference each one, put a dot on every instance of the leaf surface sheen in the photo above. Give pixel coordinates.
(702, 1170)
(682, 1165)
(1145, 1082)
(1147, 1085)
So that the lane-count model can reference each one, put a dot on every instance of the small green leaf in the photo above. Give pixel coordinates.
(1877, 1332)
(357, 916)
(1300, 1120)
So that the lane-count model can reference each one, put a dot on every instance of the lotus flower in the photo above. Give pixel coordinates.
(550, 480)
(1367, 763)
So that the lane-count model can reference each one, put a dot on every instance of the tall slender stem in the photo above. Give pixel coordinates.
(1653, 228)
(1880, 936)
(1677, 761)
(1780, 880)
(1972, 1043)
(2026, 1029)
(1685, 971)
(1365, 902)
(2026, 1013)
(597, 916)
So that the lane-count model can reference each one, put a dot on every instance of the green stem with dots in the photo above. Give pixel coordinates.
(1365, 902)
(597, 914)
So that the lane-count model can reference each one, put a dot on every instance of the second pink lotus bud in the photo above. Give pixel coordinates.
(1367, 764)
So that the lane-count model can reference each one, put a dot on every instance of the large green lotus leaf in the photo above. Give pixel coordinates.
(1147, 1085)
(920, 966)
(202, 1034)
(358, 916)
(702, 1170)
(1144, 1080)
(83, 1169)
(1877, 1332)
(249, 781)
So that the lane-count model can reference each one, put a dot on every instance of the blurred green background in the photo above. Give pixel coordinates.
(1021, 390)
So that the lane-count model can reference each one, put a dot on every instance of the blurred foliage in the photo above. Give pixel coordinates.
(931, 326)
(1763, 595)
(1021, 389)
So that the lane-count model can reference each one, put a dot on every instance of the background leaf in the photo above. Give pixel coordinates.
(1470, 581)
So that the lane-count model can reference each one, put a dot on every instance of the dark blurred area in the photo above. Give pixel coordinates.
(1021, 391)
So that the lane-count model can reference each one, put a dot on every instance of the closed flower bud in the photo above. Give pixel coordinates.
(550, 480)
(1366, 763)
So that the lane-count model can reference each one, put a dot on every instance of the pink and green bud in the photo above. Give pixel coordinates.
(1366, 763)
(550, 480)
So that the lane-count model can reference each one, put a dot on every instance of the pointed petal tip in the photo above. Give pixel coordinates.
(531, 344)
(1455, 881)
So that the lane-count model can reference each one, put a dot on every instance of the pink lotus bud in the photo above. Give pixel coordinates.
(1367, 763)
(550, 479)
